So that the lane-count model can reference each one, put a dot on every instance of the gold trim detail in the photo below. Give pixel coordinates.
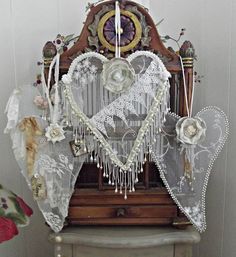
(47, 61)
(188, 62)
(132, 44)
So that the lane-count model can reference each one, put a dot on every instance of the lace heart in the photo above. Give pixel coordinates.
(122, 123)
(169, 157)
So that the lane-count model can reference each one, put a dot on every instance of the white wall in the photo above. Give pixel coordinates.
(211, 27)
(25, 26)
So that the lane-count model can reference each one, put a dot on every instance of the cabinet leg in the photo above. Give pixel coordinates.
(65, 250)
(183, 250)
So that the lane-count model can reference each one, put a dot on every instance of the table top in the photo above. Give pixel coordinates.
(125, 236)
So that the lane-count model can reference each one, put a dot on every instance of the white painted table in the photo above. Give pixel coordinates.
(125, 242)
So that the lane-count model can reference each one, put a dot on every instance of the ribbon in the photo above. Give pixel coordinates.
(188, 107)
(12, 110)
(117, 28)
(54, 110)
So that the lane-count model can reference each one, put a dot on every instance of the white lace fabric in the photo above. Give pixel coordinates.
(54, 162)
(170, 160)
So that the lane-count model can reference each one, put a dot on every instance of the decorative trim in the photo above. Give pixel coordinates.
(145, 40)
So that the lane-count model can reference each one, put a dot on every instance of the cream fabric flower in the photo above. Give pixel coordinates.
(54, 133)
(118, 75)
(190, 130)
(66, 79)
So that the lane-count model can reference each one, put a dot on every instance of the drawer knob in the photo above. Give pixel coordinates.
(120, 212)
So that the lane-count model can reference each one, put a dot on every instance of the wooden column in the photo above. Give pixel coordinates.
(187, 53)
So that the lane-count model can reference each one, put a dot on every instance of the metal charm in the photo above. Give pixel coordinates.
(38, 186)
(78, 147)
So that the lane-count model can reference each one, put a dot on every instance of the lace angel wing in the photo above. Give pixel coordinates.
(170, 159)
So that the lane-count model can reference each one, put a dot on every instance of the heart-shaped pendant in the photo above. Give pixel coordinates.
(169, 154)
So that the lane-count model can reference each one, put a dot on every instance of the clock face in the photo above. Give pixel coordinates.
(131, 31)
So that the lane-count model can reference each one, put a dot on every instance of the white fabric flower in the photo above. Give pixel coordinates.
(54, 133)
(190, 130)
(66, 79)
(118, 75)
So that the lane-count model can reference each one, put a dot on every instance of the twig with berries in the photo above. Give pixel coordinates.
(197, 78)
(167, 37)
(62, 42)
(38, 79)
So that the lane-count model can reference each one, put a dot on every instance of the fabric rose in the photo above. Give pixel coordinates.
(8, 229)
(40, 102)
(118, 75)
(25, 208)
(66, 79)
(54, 133)
(190, 130)
(59, 41)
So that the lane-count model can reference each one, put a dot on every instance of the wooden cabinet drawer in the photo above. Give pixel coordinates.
(91, 197)
(123, 211)
(144, 207)
(122, 214)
